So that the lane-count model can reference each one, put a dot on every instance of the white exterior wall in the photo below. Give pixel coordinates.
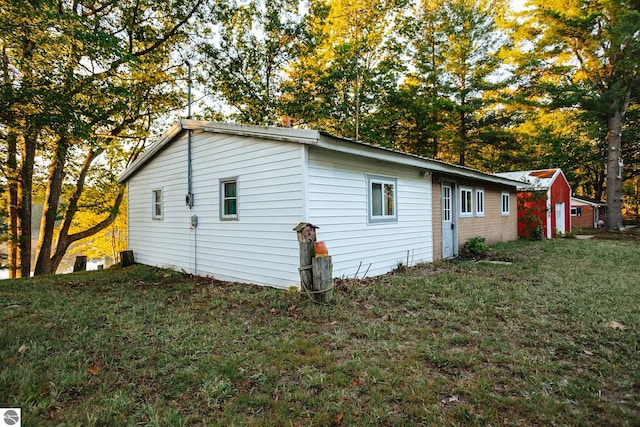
(260, 247)
(338, 204)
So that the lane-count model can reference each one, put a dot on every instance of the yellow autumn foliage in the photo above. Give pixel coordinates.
(107, 243)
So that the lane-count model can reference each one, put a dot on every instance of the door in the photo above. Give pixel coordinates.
(448, 222)
(560, 218)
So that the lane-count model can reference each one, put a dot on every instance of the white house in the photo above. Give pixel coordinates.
(222, 200)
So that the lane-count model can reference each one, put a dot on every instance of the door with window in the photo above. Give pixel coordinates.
(448, 221)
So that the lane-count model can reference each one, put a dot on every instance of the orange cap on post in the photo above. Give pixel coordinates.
(321, 249)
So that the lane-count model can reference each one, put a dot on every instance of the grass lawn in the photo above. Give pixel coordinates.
(525, 344)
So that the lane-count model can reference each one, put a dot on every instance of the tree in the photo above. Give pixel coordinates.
(563, 139)
(81, 83)
(337, 83)
(586, 54)
(107, 243)
(454, 94)
(244, 63)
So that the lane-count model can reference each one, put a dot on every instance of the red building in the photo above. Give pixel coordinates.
(586, 212)
(543, 200)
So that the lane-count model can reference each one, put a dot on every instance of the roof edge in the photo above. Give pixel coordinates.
(151, 151)
(314, 138)
(350, 146)
(301, 136)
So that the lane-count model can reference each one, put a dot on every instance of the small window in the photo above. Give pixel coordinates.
(446, 203)
(505, 203)
(466, 202)
(156, 204)
(229, 199)
(479, 202)
(382, 199)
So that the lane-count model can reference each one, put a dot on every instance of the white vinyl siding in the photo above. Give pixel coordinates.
(261, 248)
(161, 243)
(466, 202)
(339, 205)
(479, 202)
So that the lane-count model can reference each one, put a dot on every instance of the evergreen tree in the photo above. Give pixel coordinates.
(586, 54)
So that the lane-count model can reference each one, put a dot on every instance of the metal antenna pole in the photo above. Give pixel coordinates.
(188, 64)
(189, 168)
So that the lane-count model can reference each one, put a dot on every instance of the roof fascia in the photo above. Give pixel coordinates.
(302, 136)
(320, 139)
(587, 202)
(342, 145)
(153, 149)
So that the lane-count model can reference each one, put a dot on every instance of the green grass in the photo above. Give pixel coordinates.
(443, 344)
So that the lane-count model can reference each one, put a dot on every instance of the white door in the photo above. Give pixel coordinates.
(448, 223)
(560, 218)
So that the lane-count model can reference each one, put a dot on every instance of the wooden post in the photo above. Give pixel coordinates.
(307, 252)
(323, 279)
(126, 258)
(307, 241)
(80, 264)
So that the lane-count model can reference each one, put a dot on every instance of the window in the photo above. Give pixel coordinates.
(229, 199)
(576, 211)
(156, 204)
(446, 203)
(466, 204)
(479, 202)
(382, 199)
(505, 203)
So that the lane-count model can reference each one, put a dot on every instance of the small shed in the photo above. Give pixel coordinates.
(586, 212)
(544, 199)
(222, 200)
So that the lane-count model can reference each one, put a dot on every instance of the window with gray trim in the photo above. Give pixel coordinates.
(229, 199)
(156, 204)
(382, 193)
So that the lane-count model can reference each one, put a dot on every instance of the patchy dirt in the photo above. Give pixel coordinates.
(631, 233)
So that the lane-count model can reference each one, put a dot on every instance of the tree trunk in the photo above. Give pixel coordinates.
(24, 212)
(65, 240)
(12, 166)
(613, 219)
(50, 209)
(599, 186)
(463, 135)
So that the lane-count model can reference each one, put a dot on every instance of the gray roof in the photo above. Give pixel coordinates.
(540, 179)
(315, 138)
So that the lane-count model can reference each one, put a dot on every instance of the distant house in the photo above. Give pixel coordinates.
(222, 200)
(586, 212)
(544, 198)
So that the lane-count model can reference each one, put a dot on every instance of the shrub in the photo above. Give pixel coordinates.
(475, 248)
(537, 233)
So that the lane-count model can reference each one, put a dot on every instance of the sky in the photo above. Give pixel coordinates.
(518, 5)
